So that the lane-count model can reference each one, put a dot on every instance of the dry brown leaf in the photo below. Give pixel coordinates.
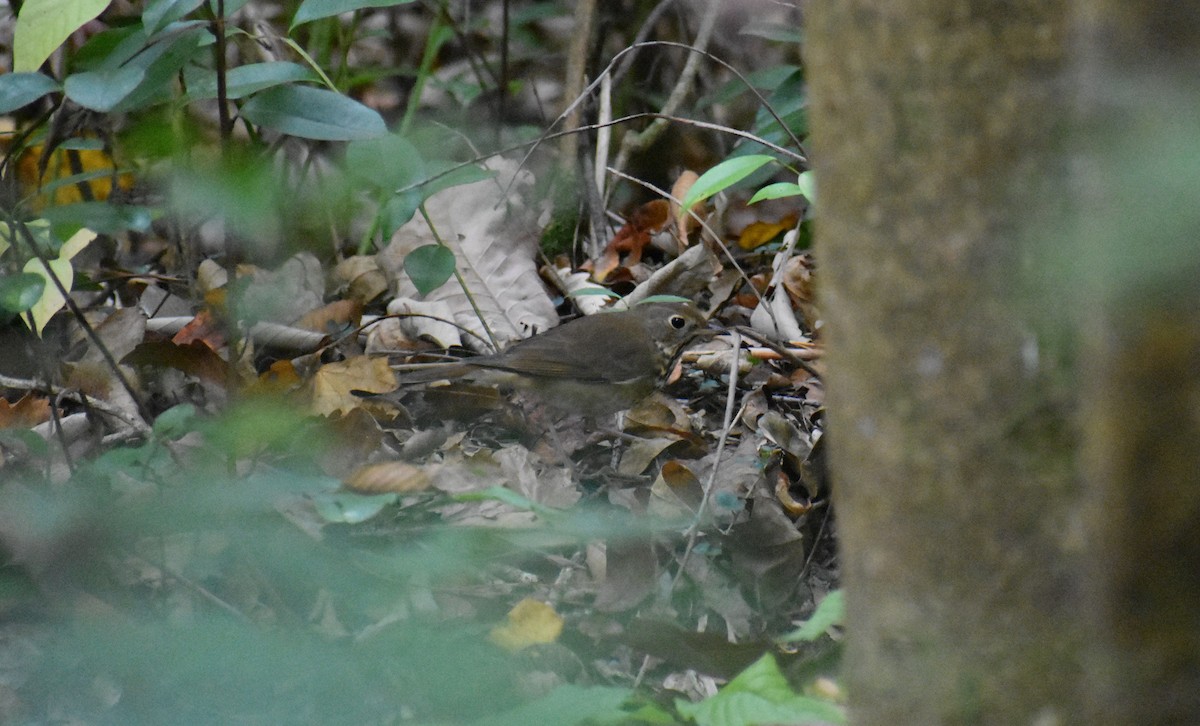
(204, 328)
(799, 279)
(334, 316)
(647, 220)
(195, 359)
(687, 224)
(362, 278)
(28, 411)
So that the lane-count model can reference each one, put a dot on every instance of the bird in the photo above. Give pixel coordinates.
(594, 365)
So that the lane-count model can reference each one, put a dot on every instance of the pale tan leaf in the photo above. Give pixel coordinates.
(388, 477)
(333, 382)
(494, 241)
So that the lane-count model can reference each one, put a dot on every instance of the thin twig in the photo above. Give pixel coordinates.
(96, 404)
(633, 143)
(31, 242)
(693, 531)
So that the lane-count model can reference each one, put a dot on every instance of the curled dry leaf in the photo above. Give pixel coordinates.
(361, 277)
(386, 477)
(646, 221)
(800, 282)
(685, 224)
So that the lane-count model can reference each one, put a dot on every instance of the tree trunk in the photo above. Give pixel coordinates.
(936, 128)
(1141, 83)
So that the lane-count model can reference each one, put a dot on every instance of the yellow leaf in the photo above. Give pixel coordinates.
(530, 622)
(52, 300)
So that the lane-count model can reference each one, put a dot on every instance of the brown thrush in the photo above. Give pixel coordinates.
(594, 365)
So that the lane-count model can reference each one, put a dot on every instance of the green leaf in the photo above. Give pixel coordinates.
(760, 694)
(722, 176)
(776, 191)
(567, 704)
(386, 163)
(592, 291)
(774, 31)
(316, 9)
(162, 60)
(103, 90)
(43, 25)
(429, 267)
(160, 12)
(21, 291)
(19, 89)
(313, 113)
(245, 80)
(830, 612)
(807, 184)
(458, 177)
(102, 217)
(397, 210)
(175, 421)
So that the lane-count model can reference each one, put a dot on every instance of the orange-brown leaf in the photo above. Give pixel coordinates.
(30, 410)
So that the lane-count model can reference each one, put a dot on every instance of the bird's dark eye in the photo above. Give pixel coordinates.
(677, 321)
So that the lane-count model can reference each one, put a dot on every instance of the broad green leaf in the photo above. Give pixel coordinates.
(722, 176)
(245, 80)
(776, 191)
(790, 102)
(43, 25)
(313, 113)
(102, 217)
(162, 61)
(52, 300)
(592, 291)
(429, 266)
(567, 704)
(20, 292)
(316, 9)
(175, 421)
(18, 89)
(386, 163)
(456, 178)
(831, 612)
(102, 90)
(160, 12)
(807, 184)
(108, 49)
(774, 31)
(760, 694)
(397, 210)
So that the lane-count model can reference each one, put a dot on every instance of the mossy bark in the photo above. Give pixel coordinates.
(937, 133)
